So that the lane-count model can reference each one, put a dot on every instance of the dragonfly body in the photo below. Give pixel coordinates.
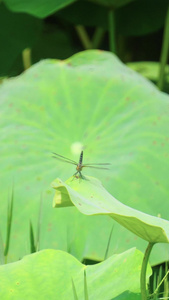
(79, 165)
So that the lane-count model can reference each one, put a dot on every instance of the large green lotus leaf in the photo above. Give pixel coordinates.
(91, 198)
(133, 19)
(113, 3)
(49, 274)
(138, 18)
(90, 101)
(85, 13)
(38, 8)
(42, 8)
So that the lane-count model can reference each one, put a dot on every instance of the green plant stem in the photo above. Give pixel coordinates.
(39, 225)
(86, 296)
(98, 37)
(143, 271)
(161, 282)
(85, 40)
(26, 57)
(32, 239)
(166, 287)
(164, 53)
(2, 258)
(9, 224)
(111, 22)
(108, 244)
(74, 291)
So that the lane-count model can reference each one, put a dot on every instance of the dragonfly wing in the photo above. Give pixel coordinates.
(101, 164)
(93, 167)
(63, 158)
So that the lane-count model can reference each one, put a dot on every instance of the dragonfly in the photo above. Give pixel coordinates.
(79, 165)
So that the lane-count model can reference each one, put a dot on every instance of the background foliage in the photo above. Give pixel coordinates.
(57, 29)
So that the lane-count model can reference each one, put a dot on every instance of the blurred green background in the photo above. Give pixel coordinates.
(133, 30)
(90, 100)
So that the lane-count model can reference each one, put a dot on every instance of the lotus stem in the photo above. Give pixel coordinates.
(143, 284)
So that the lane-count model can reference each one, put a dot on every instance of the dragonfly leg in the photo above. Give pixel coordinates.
(81, 176)
(76, 176)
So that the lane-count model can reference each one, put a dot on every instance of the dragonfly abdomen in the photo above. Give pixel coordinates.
(81, 158)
